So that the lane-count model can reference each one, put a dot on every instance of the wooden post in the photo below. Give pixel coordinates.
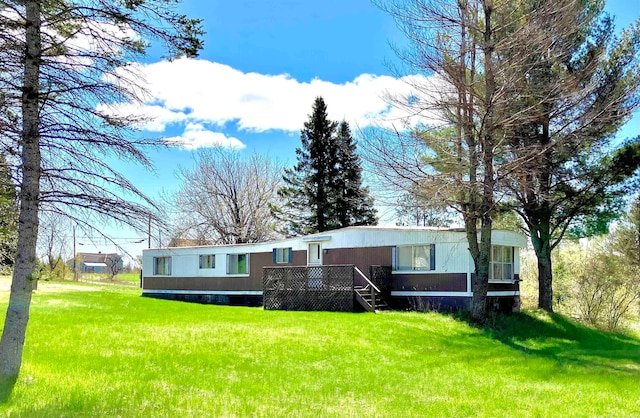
(373, 298)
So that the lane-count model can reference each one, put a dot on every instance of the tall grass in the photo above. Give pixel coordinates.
(95, 350)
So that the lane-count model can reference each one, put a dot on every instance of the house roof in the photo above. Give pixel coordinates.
(324, 235)
(95, 264)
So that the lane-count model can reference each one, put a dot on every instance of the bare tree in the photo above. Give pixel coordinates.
(54, 240)
(64, 67)
(114, 265)
(413, 208)
(225, 198)
(456, 45)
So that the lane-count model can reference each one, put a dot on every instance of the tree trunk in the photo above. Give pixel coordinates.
(541, 240)
(545, 280)
(480, 284)
(15, 326)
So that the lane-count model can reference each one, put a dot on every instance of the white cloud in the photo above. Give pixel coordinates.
(196, 136)
(200, 91)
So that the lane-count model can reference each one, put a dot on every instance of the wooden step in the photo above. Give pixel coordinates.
(365, 298)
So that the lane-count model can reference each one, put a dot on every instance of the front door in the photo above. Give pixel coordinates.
(314, 254)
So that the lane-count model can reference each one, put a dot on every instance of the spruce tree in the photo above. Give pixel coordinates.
(308, 186)
(324, 190)
(353, 204)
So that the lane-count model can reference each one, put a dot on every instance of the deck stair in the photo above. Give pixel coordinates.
(368, 295)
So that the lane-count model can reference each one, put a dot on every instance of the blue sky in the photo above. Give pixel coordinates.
(262, 65)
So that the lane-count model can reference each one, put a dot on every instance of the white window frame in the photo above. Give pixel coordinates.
(165, 263)
(233, 260)
(283, 255)
(501, 263)
(414, 265)
(203, 261)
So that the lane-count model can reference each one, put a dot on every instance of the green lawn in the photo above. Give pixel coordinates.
(122, 278)
(131, 278)
(102, 350)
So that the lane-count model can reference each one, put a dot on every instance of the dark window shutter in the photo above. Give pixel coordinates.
(275, 255)
(393, 259)
(432, 257)
(290, 255)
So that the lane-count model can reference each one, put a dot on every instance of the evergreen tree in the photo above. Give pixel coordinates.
(8, 215)
(570, 102)
(353, 204)
(324, 190)
(308, 186)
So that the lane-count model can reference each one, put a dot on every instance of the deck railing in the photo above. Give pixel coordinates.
(367, 286)
(308, 288)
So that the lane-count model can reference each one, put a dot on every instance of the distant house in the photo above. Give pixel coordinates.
(100, 263)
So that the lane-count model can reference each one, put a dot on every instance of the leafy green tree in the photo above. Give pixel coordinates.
(8, 215)
(324, 190)
(65, 65)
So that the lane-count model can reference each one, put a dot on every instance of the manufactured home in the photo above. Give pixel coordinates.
(414, 268)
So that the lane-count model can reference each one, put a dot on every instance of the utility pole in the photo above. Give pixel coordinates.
(149, 244)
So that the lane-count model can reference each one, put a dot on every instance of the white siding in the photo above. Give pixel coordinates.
(452, 253)
(452, 258)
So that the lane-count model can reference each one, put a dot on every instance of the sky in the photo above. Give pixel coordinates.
(253, 85)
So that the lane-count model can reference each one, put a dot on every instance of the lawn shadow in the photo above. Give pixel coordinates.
(6, 388)
(559, 338)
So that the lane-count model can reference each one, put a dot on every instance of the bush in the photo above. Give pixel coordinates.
(594, 281)
(56, 270)
(606, 286)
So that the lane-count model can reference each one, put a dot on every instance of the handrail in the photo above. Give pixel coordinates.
(367, 279)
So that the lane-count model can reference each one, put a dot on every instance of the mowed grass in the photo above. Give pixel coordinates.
(105, 351)
(131, 278)
(122, 278)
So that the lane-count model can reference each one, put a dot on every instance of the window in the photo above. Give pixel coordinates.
(415, 257)
(282, 255)
(162, 266)
(207, 261)
(501, 263)
(237, 263)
